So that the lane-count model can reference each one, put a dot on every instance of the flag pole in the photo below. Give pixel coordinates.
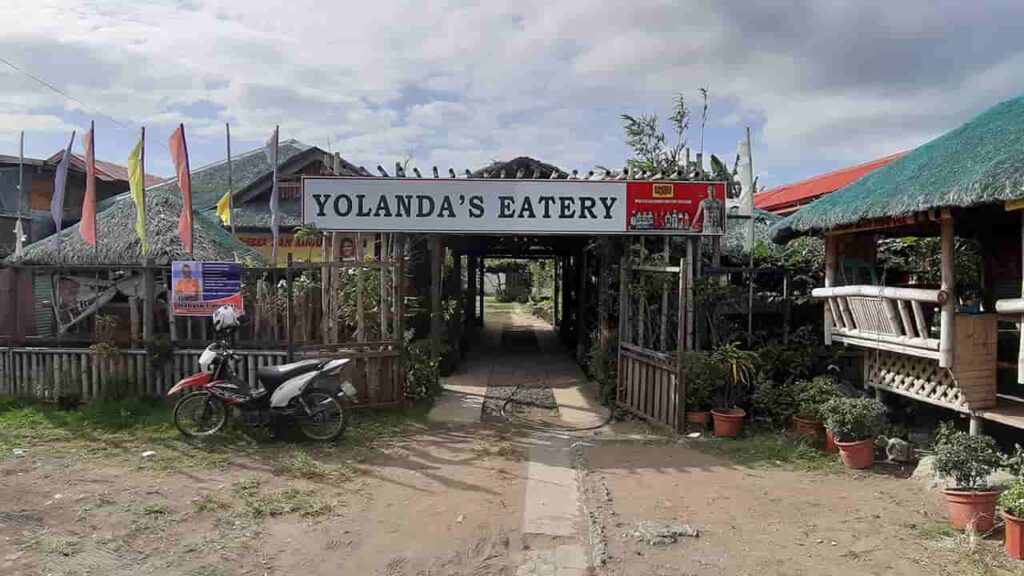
(20, 228)
(95, 227)
(142, 165)
(231, 200)
(750, 249)
(191, 220)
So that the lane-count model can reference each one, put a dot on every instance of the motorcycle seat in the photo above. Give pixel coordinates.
(273, 376)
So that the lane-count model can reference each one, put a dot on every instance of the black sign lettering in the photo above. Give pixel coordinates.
(446, 210)
(566, 207)
(403, 206)
(476, 206)
(321, 203)
(587, 207)
(382, 208)
(608, 202)
(527, 207)
(362, 211)
(348, 205)
(507, 207)
(424, 206)
(546, 202)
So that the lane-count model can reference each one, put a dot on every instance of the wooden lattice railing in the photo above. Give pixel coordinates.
(885, 318)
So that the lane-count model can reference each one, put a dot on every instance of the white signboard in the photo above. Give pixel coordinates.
(511, 206)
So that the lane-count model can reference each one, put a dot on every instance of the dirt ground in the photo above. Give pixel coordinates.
(768, 521)
(438, 502)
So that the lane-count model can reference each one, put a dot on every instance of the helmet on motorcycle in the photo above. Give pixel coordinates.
(225, 319)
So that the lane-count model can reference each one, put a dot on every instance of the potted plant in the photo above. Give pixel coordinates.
(967, 461)
(854, 423)
(738, 367)
(702, 377)
(811, 396)
(1012, 504)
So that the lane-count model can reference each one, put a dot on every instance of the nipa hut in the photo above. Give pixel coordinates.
(944, 344)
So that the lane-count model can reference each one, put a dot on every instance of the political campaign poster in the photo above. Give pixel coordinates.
(199, 288)
(513, 206)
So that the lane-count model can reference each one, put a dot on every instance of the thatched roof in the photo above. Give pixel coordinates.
(511, 168)
(119, 245)
(981, 162)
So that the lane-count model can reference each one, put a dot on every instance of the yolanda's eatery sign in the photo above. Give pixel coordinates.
(513, 206)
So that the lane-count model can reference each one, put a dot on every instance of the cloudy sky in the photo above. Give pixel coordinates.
(822, 84)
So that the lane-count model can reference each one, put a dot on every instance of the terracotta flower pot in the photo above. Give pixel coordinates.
(728, 423)
(698, 418)
(857, 455)
(810, 427)
(1014, 542)
(971, 506)
(830, 442)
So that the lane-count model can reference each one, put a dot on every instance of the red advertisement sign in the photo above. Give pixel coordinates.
(676, 207)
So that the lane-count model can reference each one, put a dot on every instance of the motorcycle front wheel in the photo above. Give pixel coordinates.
(326, 419)
(199, 414)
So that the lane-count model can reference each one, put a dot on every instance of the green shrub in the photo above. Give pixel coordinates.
(854, 419)
(775, 400)
(602, 364)
(1012, 500)
(812, 395)
(739, 367)
(703, 377)
(966, 459)
(422, 362)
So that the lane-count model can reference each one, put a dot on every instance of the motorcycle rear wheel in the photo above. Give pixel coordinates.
(329, 418)
(199, 414)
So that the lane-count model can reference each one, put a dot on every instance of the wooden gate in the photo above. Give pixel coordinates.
(655, 323)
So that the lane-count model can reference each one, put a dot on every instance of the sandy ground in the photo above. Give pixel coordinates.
(762, 521)
(442, 502)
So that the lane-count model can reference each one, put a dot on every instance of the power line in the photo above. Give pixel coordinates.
(85, 106)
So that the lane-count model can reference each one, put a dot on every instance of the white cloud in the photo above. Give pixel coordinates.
(460, 83)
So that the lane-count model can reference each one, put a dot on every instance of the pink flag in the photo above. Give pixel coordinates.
(179, 154)
(87, 228)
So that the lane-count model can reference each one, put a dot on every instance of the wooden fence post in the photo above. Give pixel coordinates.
(949, 286)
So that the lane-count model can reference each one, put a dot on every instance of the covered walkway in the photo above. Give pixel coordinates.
(516, 348)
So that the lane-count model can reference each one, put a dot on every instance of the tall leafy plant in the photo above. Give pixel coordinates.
(965, 459)
(739, 367)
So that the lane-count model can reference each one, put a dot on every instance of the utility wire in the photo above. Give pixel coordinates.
(85, 106)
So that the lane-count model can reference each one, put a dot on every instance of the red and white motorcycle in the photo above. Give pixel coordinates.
(310, 393)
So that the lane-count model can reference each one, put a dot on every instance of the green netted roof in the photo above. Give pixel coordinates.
(981, 162)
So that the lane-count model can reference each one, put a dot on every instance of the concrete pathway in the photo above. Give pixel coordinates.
(552, 518)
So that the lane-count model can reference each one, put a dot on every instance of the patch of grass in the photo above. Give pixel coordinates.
(209, 503)
(260, 504)
(50, 546)
(934, 531)
(299, 464)
(154, 508)
(763, 448)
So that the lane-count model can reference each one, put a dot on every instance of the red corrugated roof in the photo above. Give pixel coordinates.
(788, 198)
(104, 170)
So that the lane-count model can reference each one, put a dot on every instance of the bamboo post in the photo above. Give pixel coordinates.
(360, 285)
(581, 309)
(688, 335)
(786, 308)
(382, 255)
(133, 319)
(290, 318)
(1020, 325)
(830, 274)
(681, 331)
(949, 286)
(325, 292)
(436, 272)
(556, 296)
(471, 274)
(663, 335)
(623, 320)
(483, 273)
(603, 289)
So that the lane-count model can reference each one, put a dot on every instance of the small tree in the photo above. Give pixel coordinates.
(652, 151)
(966, 459)
(739, 367)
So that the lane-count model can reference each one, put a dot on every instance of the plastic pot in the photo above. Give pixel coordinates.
(968, 507)
(810, 427)
(830, 442)
(857, 455)
(1014, 542)
(698, 418)
(728, 423)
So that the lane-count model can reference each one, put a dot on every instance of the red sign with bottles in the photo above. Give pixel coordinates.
(675, 207)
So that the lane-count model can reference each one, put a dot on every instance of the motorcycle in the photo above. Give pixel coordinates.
(306, 393)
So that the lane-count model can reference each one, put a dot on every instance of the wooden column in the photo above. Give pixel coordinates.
(691, 255)
(483, 274)
(436, 273)
(556, 296)
(830, 278)
(663, 332)
(581, 308)
(604, 282)
(949, 286)
(471, 286)
(623, 318)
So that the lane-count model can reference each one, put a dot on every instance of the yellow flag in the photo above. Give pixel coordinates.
(224, 209)
(136, 183)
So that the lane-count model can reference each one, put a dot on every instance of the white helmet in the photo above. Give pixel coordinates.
(225, 319)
